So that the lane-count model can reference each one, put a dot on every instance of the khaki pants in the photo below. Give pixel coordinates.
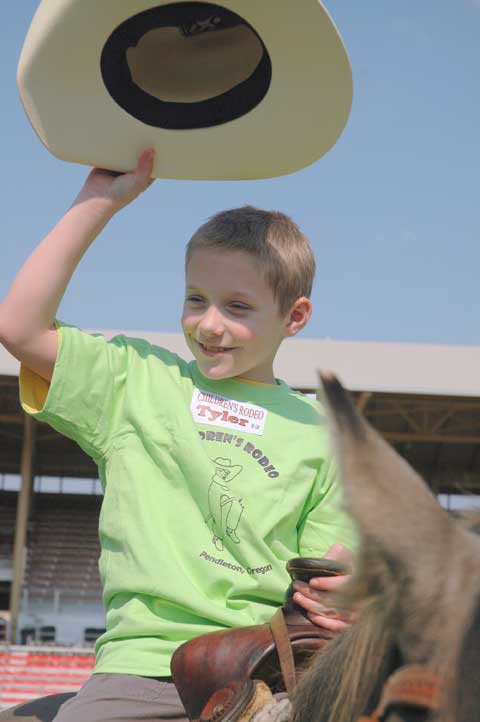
(106, 698)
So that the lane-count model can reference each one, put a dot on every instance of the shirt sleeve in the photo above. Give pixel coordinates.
(326, 521)
(86, 391)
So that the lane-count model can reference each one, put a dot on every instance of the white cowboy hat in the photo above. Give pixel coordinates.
(232, 90)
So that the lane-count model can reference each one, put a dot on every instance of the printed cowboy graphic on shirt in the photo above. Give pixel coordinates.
(225, 508)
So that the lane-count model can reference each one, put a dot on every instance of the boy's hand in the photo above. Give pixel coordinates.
(118, 189)
(318, 598)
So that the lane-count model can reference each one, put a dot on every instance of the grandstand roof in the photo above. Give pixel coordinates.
(361, 365)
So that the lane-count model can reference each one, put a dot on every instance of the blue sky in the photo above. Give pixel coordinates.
(392, 210)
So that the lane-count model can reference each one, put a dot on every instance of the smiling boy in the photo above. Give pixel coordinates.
(214, 472)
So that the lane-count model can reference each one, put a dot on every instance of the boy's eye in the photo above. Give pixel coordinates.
(194, 299)
(239, 306)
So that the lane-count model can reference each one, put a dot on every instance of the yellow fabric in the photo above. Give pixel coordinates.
(33, 388)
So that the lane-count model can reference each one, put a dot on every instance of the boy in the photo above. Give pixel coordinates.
(214, 472)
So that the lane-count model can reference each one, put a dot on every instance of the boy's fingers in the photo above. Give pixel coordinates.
(145, 163)
(318, 595)
(315, 605)
(335, 551)
(339, 553)
(323, 610)
(333, 625)
(329, 584)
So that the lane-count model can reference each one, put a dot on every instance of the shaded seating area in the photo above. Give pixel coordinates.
(63, 550)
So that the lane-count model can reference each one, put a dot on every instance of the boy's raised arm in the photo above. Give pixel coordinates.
(28, 311)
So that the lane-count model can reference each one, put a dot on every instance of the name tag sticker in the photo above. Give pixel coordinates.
(214, 410)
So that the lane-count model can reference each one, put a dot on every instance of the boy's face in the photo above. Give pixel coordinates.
(231, 320)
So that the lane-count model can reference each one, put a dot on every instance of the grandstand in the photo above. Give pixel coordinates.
(424, 399)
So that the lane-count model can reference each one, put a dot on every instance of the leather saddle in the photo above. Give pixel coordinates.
(223, 676)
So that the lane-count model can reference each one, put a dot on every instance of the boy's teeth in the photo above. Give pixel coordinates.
(213, 348)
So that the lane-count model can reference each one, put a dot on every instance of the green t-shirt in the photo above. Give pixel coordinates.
(209, 488)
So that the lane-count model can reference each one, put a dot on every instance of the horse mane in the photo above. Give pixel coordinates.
(344, 680)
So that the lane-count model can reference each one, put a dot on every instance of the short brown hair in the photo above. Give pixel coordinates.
(284, 251)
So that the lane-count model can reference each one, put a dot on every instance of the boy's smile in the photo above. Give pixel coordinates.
(231, 319)
(213, 350)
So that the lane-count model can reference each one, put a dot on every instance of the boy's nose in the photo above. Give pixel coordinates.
(211, 323)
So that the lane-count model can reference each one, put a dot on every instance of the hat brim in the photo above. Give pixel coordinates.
(298, 120)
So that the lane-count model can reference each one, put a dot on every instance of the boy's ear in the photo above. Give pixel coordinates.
(298, 316)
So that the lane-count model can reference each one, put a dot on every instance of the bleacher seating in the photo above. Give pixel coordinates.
(26, 673)
(62, 546)
(63, 549)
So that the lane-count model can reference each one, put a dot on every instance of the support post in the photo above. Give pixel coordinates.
(23, 511)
